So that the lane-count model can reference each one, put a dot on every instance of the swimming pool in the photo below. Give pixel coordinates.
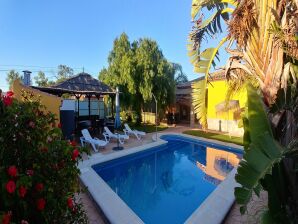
(167, 183)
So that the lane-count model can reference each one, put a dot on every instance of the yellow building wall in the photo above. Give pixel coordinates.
(51, 102)
(217, 94)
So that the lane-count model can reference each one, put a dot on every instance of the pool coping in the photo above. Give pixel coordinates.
(117, 211)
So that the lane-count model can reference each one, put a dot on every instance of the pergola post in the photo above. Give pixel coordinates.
(78, 115)
(89, 109)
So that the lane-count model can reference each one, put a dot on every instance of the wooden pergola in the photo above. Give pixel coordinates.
(80, 85)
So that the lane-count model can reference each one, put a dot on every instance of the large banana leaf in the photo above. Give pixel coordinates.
(197, 5)
(203, 61)
(199, 95)
(199, 101)
(206, 59)
(258, 121)
(263, 152)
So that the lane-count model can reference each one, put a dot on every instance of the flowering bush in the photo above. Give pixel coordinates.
(38, 172)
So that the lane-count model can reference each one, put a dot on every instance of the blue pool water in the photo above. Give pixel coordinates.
(166, 184)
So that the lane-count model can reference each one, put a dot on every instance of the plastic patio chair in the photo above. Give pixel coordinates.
(109, 135)
(128, 131)
(94, 142)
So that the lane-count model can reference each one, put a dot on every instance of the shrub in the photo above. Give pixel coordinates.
(38, 169)
(136, 117)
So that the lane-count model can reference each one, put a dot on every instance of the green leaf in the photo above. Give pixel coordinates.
(256, 158)
(199, 92)
(258, 189)
(266, 218)
(261, 155)
(252, 170)
(208, 21)
(207, 53)
(246, 136)
(195, 8)
(242, 195)
(199, 89)
(258, 122)
(202, 63)
(199, 69)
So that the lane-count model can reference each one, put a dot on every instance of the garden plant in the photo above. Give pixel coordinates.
(38, 168)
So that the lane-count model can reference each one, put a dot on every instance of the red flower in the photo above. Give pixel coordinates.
(9, 93)
(10, 186)
(12, 171)
(22, 191)
(7, 100)
(59, 125)
(70, 203)
(30, 172)
(75, 154)
(40, 204)
(6, 218)
(73, 143)
(39, 187)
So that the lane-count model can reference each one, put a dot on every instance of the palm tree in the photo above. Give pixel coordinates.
(203, 60)
(264, 34)
(262, 38)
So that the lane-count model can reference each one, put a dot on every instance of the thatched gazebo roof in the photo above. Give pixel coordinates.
(81, 84)
(226, 106)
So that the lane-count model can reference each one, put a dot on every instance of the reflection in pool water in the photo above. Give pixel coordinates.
(167, 183)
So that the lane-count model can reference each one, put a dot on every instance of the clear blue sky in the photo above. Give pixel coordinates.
(80, 33)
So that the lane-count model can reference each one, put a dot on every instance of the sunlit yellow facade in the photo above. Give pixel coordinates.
(51, 102)
(217, 94)
(220, 116)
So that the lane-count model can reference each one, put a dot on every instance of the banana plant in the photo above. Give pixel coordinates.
(264, 31)
(266, 55)
(204, 60)
(261, 165)
(265, 34)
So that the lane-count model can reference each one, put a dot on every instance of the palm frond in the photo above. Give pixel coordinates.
(237, 83)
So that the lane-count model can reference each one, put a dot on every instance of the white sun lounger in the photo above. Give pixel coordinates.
(94, 142)
(129, 131)
(108, 135)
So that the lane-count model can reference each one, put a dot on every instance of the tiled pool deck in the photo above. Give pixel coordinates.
(95, 216)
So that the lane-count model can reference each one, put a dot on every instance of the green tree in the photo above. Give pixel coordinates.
(180, 76)
(42, 80)
(139, 69)
(64, 72)
(11, 76)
